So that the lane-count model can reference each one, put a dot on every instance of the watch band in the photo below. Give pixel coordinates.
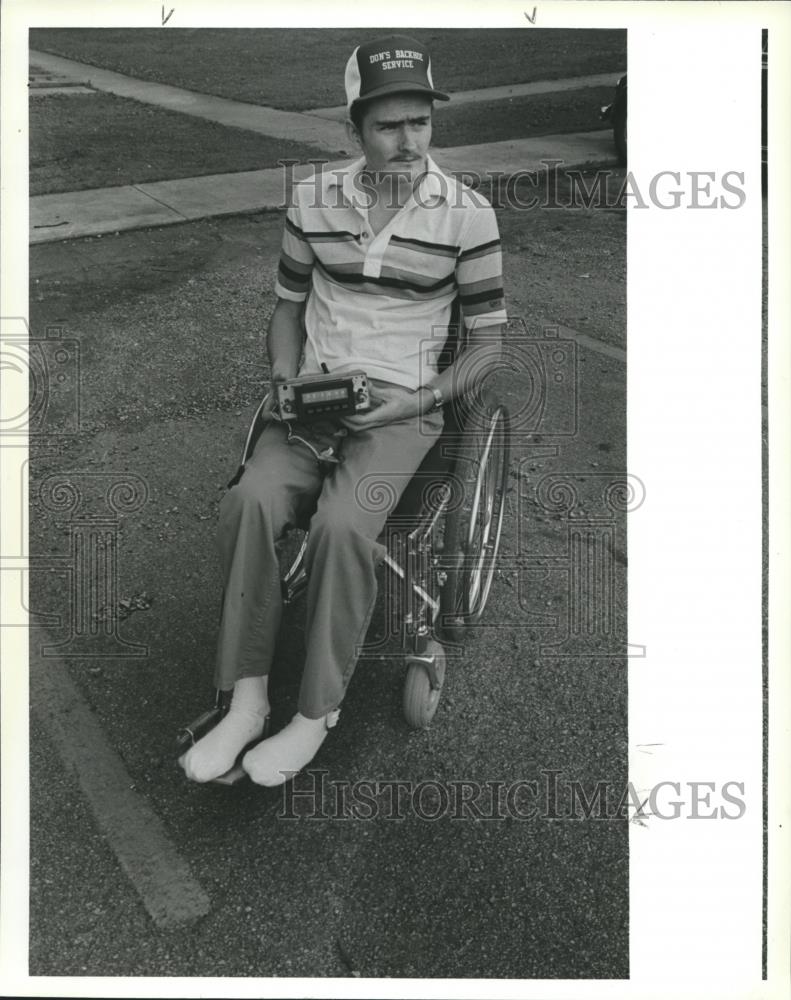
(439, 399)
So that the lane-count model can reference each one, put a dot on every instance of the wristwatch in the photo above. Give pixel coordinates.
(439, 399)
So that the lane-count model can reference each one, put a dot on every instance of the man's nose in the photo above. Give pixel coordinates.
(406, 138)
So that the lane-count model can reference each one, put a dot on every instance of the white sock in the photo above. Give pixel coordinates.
(277, 759)
(217, 751)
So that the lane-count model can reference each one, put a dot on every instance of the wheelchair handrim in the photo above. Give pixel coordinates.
(478, 582)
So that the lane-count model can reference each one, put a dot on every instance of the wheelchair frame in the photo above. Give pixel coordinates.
(442, 585)
(423, 567)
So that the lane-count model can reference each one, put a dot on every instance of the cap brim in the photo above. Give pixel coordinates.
(401, 88)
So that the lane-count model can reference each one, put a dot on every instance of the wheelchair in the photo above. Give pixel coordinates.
(442, 540)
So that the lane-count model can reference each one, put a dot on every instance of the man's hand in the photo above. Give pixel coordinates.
(401, 405)
(269, 409)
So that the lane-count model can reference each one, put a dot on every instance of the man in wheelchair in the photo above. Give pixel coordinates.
(373, 258)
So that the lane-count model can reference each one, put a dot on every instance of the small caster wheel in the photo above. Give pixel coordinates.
(425, 676)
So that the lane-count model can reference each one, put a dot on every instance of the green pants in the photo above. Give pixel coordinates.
(354, 500)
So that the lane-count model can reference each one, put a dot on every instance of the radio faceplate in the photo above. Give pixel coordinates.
(316, 397)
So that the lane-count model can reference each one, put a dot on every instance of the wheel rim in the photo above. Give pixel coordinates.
(485, 525)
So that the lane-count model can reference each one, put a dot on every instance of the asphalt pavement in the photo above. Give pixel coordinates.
(169, 322)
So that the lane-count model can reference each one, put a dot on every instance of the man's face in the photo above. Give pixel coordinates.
(395, 134)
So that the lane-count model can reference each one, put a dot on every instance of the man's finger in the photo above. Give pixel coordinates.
(354, 422)
(361, 421)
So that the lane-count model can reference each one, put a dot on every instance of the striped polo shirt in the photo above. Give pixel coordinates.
(383, 302)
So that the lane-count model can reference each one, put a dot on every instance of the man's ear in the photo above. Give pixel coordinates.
(352, 134)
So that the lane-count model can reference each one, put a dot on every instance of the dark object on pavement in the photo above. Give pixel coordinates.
(616, 113)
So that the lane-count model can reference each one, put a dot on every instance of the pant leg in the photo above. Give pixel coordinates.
(343, 553)
(278, 480)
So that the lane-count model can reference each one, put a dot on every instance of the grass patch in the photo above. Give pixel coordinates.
(296, 69)
(519, 117)
(86, 141)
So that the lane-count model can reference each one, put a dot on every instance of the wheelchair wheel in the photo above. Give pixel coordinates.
(473, 527)
(420, 698)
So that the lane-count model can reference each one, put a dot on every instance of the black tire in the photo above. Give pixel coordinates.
(420, 699)
(473, 527)
(619, 132)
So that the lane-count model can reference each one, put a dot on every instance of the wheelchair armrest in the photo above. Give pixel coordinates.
(257, 424)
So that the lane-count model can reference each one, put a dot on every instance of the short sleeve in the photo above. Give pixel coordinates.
(479, 271)
(296, 260)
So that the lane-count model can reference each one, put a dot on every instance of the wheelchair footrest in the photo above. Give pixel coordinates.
(197, 729)
(203, 724)
(237, 773)
(232, 777)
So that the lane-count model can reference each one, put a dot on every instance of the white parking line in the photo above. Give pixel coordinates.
(133, 830)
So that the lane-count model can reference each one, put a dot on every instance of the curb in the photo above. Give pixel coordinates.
(58, 217)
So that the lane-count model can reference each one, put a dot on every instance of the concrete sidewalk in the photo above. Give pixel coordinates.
(502, 93)
(55, 217)
(321, 127)
(42, 82)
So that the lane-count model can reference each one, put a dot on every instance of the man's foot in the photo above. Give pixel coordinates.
(216, 753)
(279, 758)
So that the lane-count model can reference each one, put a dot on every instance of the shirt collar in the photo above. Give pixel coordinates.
(433, 184)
